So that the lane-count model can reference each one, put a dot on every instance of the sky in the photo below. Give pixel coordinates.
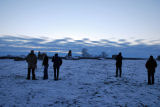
(136, 22)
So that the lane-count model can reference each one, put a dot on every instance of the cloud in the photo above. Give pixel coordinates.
(22, 45)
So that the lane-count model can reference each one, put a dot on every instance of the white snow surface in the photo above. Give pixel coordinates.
(83, 83)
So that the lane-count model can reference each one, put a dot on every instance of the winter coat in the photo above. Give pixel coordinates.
(151, 64)
(45, 61)
(31, 60)
(57, 61)
(119, 61)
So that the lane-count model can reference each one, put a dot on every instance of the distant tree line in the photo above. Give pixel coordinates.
(86, 54)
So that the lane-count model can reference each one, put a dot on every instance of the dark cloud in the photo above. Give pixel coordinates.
(139, 40)
(19, 45)
(122, 40)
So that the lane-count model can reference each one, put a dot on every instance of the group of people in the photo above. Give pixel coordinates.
(32, 65)
(31, 59)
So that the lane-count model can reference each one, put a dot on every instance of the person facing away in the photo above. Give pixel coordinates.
(57, 62)
(119, 64)
(32, 64)
(45, 64)
(151, 64)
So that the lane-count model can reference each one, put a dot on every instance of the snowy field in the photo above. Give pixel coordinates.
(84, 83)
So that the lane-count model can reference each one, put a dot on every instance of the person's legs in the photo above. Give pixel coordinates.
(57, 73)
(45, 72)
(33, 74)
(28, 75)
(120, 69)
(54, 73)
(116, 71)
(149, 80)
(152, 78)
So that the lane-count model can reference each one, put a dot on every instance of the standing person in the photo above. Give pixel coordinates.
(151, 64)
(119, 64)
(45, 64)
(57, 62)
(32, 64)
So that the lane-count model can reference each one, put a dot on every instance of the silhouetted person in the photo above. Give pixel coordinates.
(151, 64)
(32, 64)
(45, 64)
(57, 62)
(119, 64)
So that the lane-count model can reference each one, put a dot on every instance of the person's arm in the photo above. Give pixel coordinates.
(155, 64)
(60, 61)
(47, 60)
(35, 59)
(43, 61)
(146, 65)
(53, 59)
(116, 57)
(27, 58)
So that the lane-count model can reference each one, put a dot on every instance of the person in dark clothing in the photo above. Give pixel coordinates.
(119, 64)
(45, 64)
(57, 62)
(32, 64)
(151, 64)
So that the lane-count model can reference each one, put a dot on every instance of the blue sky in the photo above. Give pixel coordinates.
(136, 22)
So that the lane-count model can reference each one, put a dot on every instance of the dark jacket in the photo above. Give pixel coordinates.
(57, 61)
(119, 61)
(151, 64)
(45, 61)
(31, 60)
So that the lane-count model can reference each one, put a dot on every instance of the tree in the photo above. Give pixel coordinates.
(85, 53)
(103, 54)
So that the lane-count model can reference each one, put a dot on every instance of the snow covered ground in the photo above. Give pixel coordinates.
(85, 83)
